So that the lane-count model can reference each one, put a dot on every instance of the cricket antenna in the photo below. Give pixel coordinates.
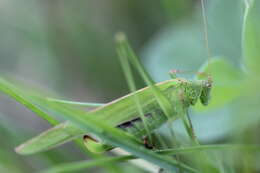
(205, 26)
(173, 73)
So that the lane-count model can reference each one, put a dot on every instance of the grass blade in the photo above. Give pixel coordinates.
(23, 98)
(219, 147)
(160, 97)
(130, 81)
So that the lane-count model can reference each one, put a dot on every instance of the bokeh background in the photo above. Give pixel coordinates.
(68, 47)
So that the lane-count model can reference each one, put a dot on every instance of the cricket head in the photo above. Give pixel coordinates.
(199, 89)
(206, 90)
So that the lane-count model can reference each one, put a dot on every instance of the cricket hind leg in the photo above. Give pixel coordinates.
(148, 144)
(95, 146)
(154, 144)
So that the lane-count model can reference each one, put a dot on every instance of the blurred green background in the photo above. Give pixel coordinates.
(68, 47)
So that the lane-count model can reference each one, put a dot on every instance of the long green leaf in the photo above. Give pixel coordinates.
(218, 147)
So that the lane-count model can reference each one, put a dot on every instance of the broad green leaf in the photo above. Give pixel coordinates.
(251, 37)
(227, 84)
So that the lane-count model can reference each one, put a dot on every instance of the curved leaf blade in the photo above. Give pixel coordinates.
(251, 37)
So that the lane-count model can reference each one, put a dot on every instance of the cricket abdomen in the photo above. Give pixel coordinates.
(136, 126)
